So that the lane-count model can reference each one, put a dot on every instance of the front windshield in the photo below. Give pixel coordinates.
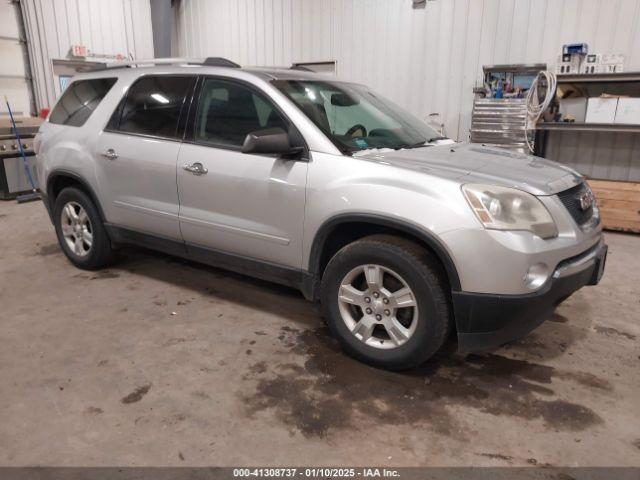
(354, 118)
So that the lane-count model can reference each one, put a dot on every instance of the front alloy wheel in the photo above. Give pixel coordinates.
(378, 306)
(385, 300)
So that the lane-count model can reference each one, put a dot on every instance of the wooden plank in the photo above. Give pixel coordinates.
(619, 204)
(622, 195)
(628, 229)
(615, 209)
(609, 185)
(621, 225)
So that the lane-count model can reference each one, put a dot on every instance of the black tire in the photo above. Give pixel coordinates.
(422, 274)
(100, 253)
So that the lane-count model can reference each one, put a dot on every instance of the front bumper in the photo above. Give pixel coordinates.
(487, 321)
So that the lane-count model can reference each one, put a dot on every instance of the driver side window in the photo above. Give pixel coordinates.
(228, 111)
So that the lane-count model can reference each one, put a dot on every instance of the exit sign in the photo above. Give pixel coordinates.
(79, 50)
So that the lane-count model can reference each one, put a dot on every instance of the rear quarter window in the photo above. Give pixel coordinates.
(79, 100)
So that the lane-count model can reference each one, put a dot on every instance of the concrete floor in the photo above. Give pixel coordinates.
(157, 361)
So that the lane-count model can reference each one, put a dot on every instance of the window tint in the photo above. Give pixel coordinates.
(153, 104)
(229, 111)
(79, 101)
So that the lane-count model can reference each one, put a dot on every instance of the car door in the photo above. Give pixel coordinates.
(248, 205)
(136, 156)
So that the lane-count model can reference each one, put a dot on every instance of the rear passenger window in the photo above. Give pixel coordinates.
(79, 101)
(228, 111)
(153, 105)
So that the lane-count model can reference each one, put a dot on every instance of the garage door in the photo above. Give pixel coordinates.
(13, 81)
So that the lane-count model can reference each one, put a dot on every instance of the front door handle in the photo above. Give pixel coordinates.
(195, 168)
(110, 154)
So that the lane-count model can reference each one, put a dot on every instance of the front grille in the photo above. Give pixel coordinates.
(571, 200)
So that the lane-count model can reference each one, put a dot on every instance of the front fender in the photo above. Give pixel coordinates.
(344, 189)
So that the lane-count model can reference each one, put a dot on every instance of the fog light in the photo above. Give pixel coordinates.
(536, 276)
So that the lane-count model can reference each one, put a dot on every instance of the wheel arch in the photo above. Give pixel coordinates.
(340, 230)
(60, 179)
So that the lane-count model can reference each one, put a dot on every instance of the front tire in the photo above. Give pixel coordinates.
(386, 301)
(80, 231)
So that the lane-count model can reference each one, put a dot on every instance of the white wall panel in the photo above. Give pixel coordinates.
(428, 60)
(103, 26)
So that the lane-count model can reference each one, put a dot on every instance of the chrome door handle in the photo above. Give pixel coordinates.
(110, 154)
(195, 168)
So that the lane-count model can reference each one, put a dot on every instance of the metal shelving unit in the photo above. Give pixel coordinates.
(599, 77)
(589, 127)
(607, 153)
(590, 85)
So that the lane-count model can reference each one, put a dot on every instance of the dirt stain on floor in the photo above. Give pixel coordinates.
(330, 391)
(177, 341)
(258, 368)
(496, 456)
(100, 275)
(612, 331)
(50, 249)
(137, 394)
(104, 274)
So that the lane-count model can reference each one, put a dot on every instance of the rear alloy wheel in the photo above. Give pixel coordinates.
(80, 231)
(386, 301)
(76, 228)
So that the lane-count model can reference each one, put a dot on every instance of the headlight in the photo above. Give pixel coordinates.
(502, 208)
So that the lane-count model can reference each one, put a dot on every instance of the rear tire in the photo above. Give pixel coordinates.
(80, 231)
(386, 300)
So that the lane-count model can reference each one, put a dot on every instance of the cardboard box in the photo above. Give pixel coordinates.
(576, 107)
(591, 63)
(628, 111)
(568, 64)
(612, 63)
(601, 109)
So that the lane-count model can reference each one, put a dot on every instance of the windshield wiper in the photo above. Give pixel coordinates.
(434, 139)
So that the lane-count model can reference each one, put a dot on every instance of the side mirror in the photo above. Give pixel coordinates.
(270, 140)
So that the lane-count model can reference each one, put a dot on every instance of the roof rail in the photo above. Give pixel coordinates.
(300, 67)
(211, 61)
(219, 62)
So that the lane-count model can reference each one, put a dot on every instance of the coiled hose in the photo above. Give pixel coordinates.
(535, 108)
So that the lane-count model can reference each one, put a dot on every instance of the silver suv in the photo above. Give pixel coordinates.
(405, 237)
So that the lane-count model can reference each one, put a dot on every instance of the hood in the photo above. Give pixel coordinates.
(474, 163)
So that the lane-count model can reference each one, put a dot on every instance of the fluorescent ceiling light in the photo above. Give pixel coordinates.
(159, 98)
(311, 94)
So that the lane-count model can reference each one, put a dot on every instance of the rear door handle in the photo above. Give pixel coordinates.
(110, 154)
(195, 168)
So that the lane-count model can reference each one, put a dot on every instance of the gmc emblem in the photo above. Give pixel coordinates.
(586, 199)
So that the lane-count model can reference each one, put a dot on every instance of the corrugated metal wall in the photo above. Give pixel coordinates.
(104, 26)
(427, 60)
(608, 156)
